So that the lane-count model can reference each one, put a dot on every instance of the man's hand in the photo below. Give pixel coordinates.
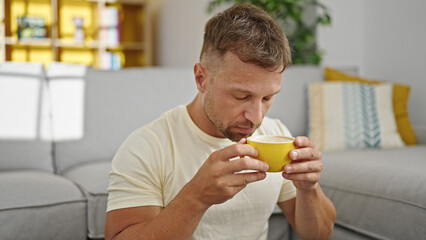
(306, 166)
(219, 179)
(311, 213)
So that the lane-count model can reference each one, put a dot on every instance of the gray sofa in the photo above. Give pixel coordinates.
(56, 188)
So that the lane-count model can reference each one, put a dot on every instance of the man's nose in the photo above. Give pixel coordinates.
(254, 113)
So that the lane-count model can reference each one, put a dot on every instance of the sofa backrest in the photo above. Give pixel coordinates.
(290, 105)
(25, 137)
(118, 102)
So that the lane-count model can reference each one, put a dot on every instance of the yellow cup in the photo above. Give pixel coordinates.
(273, 150)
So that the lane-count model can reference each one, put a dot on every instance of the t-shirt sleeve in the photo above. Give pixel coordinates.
(288, 191)
(135, 178)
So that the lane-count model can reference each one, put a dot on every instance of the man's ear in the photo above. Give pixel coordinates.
(200, 75)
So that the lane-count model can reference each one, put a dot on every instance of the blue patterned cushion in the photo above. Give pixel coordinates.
(352, 116)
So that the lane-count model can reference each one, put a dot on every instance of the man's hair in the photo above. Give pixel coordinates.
(248, 32)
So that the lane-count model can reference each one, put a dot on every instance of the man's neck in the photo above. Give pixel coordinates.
(197, 114)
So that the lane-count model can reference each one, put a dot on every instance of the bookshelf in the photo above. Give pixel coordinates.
(107, 34)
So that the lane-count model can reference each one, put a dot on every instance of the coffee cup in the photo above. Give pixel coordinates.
(273, 150)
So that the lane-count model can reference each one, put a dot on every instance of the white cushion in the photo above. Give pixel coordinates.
(352, 116)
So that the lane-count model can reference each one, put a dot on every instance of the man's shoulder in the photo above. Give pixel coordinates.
(160, 130)
(153, 137)
(162, 123)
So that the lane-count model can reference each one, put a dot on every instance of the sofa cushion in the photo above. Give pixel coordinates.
(352, 116)
(118, 102)
(92, 177)
(376, 191)
(278, 227)
(290, 104)
(40, 205)
(400, 98)
(25, 141)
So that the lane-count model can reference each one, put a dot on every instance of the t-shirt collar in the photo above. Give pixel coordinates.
(204, 136)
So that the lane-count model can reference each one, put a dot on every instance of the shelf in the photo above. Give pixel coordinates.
(134, 25)
(72, 44)
(36, 42)
(129, 2)
(128, 46)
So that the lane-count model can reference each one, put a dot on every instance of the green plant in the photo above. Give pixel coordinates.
(299, 19)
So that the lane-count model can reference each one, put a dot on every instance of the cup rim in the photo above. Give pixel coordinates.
(251, 138)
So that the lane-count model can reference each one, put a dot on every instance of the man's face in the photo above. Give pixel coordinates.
(239, 96)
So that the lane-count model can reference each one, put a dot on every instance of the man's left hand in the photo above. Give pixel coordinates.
(306, 166)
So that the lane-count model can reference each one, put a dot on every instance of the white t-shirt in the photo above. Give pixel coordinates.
(157, 160)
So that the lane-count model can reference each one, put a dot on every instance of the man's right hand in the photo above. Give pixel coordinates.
(219, 179)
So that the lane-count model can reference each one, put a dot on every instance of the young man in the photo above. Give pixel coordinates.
(182, 176)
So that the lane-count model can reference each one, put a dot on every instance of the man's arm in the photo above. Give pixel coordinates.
(177, 221)
(311, 213)
(117, 220)
(215, 182)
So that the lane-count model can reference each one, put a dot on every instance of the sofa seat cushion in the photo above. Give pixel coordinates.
(379, 193)
(40, 205)
(92, 177)
(279, 228)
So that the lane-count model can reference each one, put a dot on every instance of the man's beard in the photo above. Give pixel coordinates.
(227, 132)
(237, 136)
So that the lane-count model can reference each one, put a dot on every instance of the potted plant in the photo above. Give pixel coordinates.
(299, 18)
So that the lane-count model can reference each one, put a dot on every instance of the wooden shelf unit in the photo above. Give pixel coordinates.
(135, 33)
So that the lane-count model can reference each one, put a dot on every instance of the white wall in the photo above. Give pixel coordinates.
(395, 48)
(181, 26)
(385, 39)
(180, 33)
(343, 41)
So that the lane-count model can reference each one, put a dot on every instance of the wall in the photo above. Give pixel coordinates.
(180, 32)
(395, 49)
(181, 26)
(343, 41)
(384, 39)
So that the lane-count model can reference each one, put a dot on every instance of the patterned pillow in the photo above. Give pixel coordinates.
(400, 97)
(352, 116)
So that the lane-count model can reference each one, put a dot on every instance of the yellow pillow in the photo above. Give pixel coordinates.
(399, 100)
